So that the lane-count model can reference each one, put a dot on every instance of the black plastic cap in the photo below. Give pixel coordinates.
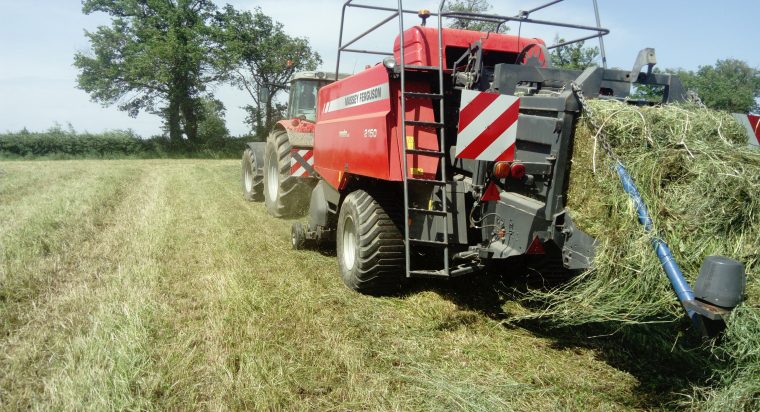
(721, 281)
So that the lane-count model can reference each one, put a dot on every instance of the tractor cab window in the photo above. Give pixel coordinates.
(303, 100)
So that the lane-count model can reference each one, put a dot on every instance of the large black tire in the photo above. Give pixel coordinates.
(253, 182)
(284, 195)
(370, 246)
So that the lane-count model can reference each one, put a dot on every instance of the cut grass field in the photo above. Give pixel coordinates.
(152, 284)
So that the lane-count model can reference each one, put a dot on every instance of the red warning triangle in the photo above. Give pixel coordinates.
(536, 247)
(491, 193)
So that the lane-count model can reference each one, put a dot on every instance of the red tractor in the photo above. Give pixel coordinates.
(280, 171)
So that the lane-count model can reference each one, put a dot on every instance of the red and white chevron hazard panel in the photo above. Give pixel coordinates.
(487, 126)
(298, 159)
(754, 122)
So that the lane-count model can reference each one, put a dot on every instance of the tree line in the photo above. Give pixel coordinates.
(66, 143)
(165, 56)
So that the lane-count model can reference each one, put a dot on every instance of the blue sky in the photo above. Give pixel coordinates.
(38, 39)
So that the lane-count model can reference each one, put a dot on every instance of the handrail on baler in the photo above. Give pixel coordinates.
(521, 17)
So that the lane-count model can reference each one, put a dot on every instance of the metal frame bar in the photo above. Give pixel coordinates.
(565, 43)
(541, 7)
(371, 7)
(442, 143)
(601, 39)
(504, 19)
(521, 17)
(401, 137)
(371, 29)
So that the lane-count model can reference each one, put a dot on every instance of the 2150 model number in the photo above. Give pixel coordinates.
(370, 132)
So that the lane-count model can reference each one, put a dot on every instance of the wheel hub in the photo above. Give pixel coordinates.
(349, 242)
(273, 178)
(248, 179)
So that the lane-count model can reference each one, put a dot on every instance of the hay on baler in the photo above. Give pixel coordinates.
(701, 183)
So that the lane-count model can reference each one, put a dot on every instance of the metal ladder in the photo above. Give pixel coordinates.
(440, 153)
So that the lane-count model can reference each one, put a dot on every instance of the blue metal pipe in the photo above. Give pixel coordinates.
(669, 264)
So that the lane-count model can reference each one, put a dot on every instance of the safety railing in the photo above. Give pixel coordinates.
(522, 17)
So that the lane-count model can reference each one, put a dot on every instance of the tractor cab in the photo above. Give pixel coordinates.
(303, 93)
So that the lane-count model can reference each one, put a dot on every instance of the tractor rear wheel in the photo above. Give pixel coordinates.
(253, 183)
(370, 246)
(284, 195)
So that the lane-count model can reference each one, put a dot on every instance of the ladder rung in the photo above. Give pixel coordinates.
(429, 181)
(423, 95)
(425, 152)
(428, 211)
(422, 123)
(436, 273)
(429, 242)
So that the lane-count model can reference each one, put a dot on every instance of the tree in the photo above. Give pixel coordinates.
(158, 56)
(212, 127)
(574, 56)
(473, 6)
(730, 85)
(262, 56)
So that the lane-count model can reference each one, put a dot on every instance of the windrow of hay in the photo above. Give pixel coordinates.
(701, 183)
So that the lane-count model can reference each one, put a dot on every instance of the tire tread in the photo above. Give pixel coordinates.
(294, 193)
(380, 257)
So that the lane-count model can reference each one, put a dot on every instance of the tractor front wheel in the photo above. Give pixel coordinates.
(370, 246)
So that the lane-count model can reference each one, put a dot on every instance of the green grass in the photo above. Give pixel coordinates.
(151, 284)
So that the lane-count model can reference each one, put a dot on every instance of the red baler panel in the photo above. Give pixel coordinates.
(421, 44)
(352, 126)
(416, 137)
(357, 120)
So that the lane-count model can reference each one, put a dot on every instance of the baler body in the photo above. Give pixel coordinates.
(524, 114)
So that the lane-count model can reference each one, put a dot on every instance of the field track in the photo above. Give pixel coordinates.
(154, 285)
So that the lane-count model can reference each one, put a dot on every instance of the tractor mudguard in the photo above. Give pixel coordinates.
(300, 132)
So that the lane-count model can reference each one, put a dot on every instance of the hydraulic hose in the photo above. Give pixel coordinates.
(669, 264)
